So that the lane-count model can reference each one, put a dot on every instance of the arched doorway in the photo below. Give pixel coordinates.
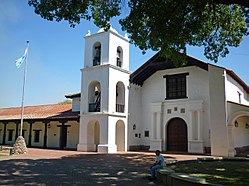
(177, 135)
(94, 96)
(120, 97)
(240, 134)
(96, 54)
(93, 135)
(120, 135)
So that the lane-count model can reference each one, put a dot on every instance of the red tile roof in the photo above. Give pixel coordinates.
(55, 111)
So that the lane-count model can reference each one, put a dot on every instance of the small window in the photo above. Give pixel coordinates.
(10, 136)
(182, 110)
(36, 136)
(176, 86)
(146, 133)
(239, 96)
(119, 57)
(168, 111)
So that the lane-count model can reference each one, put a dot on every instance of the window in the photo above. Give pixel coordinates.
(36, 136)
(239, 96)
(10, 136)
(96, 54)
(182, 110)
(120, 97)
(146, 133)
(176, 86)
(94, 97)
(119, 57)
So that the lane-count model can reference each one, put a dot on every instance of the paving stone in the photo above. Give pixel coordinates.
(61, 167)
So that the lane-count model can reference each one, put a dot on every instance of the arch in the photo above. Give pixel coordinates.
(96, 53)
(94, 96)
(177, 135)
(120, 97)
(119, 56)
(93, 135)
(120, 135)
(235, 116)
(238, 133)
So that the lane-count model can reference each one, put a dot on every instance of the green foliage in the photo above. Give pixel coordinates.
(234, 173)
(65, 102)
(75, 10)
(170, 26)
(166, 25)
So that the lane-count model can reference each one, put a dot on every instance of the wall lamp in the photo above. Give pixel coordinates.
(247, 126)
(134, 127)
(236, 123)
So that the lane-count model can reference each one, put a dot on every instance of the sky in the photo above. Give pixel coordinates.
(56, 55)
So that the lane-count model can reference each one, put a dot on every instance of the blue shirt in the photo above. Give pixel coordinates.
(160, 159)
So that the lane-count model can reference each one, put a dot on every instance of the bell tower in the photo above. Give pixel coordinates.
(104, 92)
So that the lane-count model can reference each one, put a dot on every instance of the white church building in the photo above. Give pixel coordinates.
(196, 108)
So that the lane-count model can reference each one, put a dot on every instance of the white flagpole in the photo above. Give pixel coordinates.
(23, 88)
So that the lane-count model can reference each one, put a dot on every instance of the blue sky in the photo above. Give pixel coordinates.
(56, 55)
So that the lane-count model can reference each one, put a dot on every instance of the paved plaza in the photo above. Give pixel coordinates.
(57, 167)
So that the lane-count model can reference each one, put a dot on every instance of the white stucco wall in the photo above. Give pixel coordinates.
(109, 40)
(10, 126)
(76, 104)
(72, 134)
(154, 91)
(89, 43)
(134, 114)
(37, 126)
(97, 73)
(115, 76)
(218, 126)
(53, 135)
(107, 74)
(233, 88)
(241, 133)
(118, 41)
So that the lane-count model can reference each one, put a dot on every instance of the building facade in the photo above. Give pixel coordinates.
(46, 126)
(195, 108)
(104, 93)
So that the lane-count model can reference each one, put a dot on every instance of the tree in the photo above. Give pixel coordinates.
(65, 102)
(165, 25)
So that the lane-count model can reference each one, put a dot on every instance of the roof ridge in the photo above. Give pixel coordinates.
(52, 104)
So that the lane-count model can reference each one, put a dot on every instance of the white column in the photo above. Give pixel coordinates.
(193, 126)
(158, 126)
(231, 150)
(199, 124)
(152, 126)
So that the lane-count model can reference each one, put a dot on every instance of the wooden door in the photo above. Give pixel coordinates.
(177, 138)
(63, 136)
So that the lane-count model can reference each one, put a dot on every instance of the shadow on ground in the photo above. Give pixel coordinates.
(83, 169)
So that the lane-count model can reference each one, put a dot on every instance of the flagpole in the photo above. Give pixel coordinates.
(23, 88)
